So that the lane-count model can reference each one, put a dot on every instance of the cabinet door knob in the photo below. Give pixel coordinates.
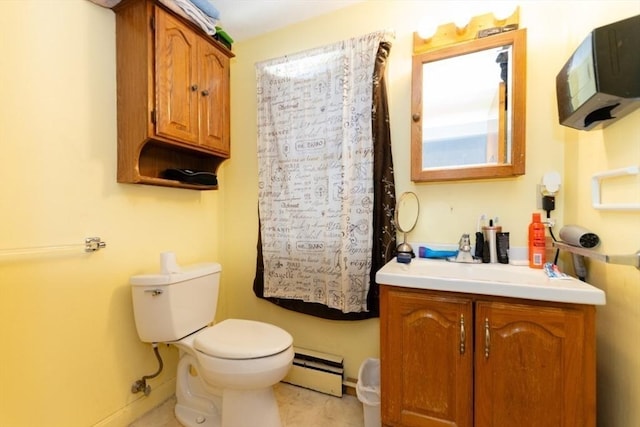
(205, 92)
(194, 88)
(415, 117)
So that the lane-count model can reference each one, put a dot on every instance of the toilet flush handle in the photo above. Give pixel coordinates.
(154, 292)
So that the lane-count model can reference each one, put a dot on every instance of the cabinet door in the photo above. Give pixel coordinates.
(427, 357)
(214, 98)
(534, 366)
(176, 79)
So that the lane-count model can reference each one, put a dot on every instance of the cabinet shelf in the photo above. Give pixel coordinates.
(172, 183)
(157, 156)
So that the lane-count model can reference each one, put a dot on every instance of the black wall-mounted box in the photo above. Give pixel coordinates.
(600, 83)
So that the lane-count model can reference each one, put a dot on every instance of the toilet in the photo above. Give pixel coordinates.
(226, 371)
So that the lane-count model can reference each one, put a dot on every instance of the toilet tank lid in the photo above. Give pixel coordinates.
(186, 273)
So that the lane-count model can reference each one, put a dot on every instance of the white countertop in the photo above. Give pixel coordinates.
(488, 279)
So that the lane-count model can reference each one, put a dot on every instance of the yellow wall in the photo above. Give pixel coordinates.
(587, 153)
(448, 209)
(71, 351)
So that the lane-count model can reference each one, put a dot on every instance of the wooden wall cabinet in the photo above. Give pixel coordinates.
(467, 360)
(173, 95)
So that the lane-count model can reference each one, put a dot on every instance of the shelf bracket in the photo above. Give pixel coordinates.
(92, 244)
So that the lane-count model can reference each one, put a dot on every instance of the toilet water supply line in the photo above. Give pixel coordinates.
(141, 384)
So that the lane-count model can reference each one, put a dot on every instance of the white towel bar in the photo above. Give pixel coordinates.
(631, 259)
(91, 244)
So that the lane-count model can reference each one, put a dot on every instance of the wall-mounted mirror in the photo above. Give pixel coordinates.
(468, 109)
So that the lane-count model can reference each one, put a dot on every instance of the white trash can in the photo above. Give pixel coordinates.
(368, 391)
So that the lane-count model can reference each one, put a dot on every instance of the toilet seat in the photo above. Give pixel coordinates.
(240, 339)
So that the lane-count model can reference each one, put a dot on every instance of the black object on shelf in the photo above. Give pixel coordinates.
(191, 176)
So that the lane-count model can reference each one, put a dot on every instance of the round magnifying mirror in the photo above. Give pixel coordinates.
(406, 218)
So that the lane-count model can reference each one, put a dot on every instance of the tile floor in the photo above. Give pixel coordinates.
(299, 407)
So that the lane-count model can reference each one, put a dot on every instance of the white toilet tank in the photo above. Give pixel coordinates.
(175, 303)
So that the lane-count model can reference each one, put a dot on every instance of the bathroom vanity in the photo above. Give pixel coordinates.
(485, 345)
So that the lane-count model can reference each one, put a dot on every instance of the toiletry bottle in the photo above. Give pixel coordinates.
(479, 245)
(490, 241)
(502, 247)
(537, 242)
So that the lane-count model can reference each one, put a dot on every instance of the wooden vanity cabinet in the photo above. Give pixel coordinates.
(467, 360)
(426, 358)
(173, 95)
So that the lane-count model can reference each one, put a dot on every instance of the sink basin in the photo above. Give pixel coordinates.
(488, 279)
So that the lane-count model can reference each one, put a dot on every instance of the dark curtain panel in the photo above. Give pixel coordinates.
(384, 238)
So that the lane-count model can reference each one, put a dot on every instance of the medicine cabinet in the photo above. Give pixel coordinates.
(468, 101)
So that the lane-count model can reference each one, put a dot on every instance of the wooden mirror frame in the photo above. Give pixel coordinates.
(426, 50)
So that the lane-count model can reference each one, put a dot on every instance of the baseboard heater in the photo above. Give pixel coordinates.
(316, 371)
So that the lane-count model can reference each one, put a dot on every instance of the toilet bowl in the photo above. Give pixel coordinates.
(227, 371)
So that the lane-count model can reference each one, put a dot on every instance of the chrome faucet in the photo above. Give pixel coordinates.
(464, 244)
(464, 251)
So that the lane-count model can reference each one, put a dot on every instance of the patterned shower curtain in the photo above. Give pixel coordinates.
(326, 195)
